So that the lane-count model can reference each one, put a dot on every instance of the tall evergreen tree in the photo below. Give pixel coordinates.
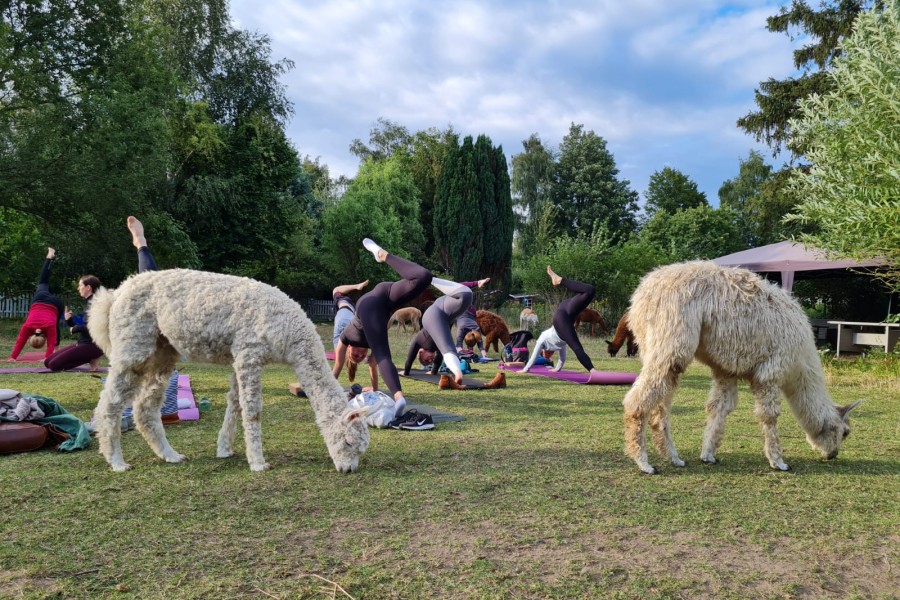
(473, 212)
(778, 100)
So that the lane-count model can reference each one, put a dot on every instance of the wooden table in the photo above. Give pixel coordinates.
(853, 334)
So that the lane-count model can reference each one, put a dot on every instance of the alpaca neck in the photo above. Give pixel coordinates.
(808, 397)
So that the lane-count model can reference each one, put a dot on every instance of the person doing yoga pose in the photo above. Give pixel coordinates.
(562, 332)
(46, 310)
(435, 335)
(368, 329)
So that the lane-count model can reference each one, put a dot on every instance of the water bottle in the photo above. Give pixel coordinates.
(204, 404)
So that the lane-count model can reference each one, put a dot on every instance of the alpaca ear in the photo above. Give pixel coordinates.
(843, 410)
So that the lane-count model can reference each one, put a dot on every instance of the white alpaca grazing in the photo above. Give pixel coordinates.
(743, 328)
(144, 325)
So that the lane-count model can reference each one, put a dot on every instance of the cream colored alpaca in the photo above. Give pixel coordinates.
(743, 328)
(527, 319)
(154, 317)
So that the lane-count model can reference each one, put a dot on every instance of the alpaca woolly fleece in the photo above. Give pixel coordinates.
(154, 318)
(743, 328)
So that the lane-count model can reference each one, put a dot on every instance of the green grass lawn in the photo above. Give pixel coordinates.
(530, 497)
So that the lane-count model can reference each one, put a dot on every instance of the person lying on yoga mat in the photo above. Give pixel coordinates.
(84, 350)
(435, 335)
(562, 332)
(368, 328)
(46, 310)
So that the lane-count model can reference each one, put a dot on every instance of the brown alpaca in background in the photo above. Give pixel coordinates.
(589, 315)
(404, 316)
(493, 328)
(623, 334)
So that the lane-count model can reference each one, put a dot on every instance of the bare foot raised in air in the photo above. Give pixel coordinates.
(481, 282)
(51, 253)
(137, 232)
(554, 278)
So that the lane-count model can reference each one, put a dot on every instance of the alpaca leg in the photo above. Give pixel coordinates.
(120, 384)
(147, 417)
(250, 397)
(721, 401)
(768, 407)
(654, 387)
(229, 425)
(662, 434)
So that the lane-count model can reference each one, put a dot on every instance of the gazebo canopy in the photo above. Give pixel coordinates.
(788, 258)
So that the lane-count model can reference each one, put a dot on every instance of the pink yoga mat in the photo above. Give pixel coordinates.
(598, 378)
(31, 357)
(185, 393)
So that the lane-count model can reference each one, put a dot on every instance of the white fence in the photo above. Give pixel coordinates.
(317, 310)
(14, 307)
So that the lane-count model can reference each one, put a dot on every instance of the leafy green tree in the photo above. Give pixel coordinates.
(852, 138)
(429, 149)
(741, 193)
(386, 139)
(83, 124)
(695, 233)
(381, 203)
(532, 175)
(778, 100)
(671, 190)
(586, 189)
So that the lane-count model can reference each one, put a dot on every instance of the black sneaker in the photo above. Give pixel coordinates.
(395, 424)
(415, 421)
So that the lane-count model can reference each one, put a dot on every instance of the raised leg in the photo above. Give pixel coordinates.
(147, 418)
(229, 425)
(768, 407)
(721, 401)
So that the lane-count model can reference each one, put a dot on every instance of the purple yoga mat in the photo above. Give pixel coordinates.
(598, 378)
(46, 370)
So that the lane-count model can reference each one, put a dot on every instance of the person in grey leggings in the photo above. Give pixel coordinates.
(435, 335)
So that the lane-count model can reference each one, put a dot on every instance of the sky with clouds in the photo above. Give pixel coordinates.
(662, 81)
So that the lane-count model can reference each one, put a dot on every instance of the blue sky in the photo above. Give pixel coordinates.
(662, 81)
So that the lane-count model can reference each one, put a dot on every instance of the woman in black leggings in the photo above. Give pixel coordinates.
(368, 329)
(568, 310)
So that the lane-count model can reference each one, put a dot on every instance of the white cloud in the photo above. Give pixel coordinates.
(650, 77)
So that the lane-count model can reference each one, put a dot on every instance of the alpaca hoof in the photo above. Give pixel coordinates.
(260, 467)
(678, 462)
(224, 453)
(649, 470)
(175, 458)
(781, 467)
(121, 467)
(708, 460)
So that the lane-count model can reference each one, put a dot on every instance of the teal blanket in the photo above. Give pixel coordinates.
(56, 415)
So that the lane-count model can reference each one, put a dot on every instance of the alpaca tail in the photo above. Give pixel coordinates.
(98, 323)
